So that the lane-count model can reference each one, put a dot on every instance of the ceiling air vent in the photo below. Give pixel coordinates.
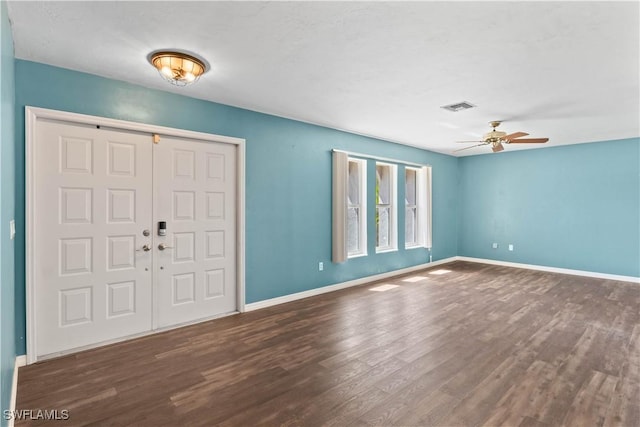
(459, 106)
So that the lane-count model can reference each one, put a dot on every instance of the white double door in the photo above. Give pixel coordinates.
(102, 269)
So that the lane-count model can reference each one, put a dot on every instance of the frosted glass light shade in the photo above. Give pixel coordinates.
(178, 68)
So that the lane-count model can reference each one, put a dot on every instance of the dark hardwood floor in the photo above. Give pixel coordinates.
(480, 345)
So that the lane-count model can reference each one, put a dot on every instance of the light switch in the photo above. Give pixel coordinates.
(12, 229)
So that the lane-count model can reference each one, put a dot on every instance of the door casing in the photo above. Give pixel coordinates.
(32, 115)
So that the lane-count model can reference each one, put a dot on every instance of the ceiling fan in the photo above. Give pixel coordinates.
(496, 138)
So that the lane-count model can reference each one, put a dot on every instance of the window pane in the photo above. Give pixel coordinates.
(410, 186)
(382, 221)
(383, 184)
(354, 183)
(410, 236)
(353, 230)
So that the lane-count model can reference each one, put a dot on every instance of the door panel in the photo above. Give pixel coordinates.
(92, 202)
(194, 192)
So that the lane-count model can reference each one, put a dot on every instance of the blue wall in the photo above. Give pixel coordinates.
(7, 211)
(288, 197)
(575, 206)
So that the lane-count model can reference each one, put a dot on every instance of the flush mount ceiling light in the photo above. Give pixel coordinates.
(177, 68)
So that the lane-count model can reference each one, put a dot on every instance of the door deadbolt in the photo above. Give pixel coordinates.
(146, 233)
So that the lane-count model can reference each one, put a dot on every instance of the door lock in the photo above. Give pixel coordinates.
(163, 246)
(145, 248)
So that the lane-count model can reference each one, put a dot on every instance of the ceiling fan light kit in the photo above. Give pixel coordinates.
(179, 69)
(496, 138)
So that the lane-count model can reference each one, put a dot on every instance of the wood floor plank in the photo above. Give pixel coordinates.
(517, 402)
(472, 345)
(625, 404)
(592, 401)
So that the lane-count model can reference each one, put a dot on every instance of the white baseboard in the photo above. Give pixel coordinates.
(597, 275)
(20, 361)
(331, 288)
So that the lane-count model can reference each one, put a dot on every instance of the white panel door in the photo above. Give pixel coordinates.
(195, 194)
(92, 202)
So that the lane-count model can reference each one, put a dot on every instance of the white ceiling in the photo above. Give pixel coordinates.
(564, 70)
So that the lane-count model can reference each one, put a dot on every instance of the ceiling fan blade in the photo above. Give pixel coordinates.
(497, 147)
(528, 141)
(515, 135)
(466, 148)
(466, 142)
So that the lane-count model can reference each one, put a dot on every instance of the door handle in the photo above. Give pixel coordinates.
(145, 248)
(163, 246)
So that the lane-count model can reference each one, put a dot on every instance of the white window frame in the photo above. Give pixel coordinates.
(416, 206)
(393, 208)
(362, 207)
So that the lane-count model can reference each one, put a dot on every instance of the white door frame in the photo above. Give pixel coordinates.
(32, 115)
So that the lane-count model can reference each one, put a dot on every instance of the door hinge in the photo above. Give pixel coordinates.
(156, 138)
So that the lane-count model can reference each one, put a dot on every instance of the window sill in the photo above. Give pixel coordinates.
(414, 247)
(384, 251)
(357, 255)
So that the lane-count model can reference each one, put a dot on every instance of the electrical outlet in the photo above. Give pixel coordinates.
(510, 247)
(320, 266)
(494, 246)
(12, 229)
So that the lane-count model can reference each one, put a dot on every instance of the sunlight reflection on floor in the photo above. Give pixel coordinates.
(414, 279)
(439, 272)
(383, 288)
